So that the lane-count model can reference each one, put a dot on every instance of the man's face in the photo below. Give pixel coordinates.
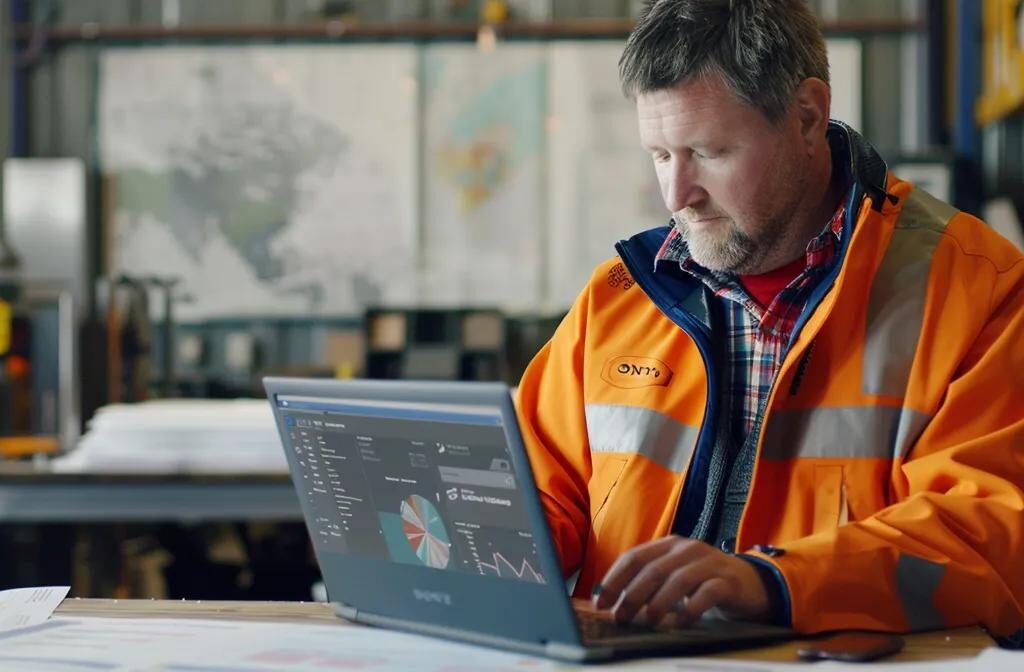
(732, 180)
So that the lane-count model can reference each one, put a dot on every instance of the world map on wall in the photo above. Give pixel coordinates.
(240, 174)
(227, 187)
(488, 140)
(483, 175)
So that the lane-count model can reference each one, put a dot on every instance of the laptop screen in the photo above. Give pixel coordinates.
(426, 484)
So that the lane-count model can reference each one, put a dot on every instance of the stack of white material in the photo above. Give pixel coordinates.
(192, 436)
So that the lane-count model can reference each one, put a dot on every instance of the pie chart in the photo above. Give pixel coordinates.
(425, 531)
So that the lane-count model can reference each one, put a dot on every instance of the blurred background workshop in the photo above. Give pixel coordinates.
(197, 194)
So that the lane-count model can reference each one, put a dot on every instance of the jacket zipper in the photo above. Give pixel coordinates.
(813, 302)
(701, 337)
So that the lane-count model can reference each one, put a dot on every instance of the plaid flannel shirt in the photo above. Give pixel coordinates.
(756, 338)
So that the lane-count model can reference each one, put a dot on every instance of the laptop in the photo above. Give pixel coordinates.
(422, 510)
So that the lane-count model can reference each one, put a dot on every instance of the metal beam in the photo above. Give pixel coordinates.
(104, 499)
(592, 28)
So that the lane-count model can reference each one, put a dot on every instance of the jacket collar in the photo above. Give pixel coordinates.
(865, 165)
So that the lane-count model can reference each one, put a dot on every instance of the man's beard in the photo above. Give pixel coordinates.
(724, 248)
(728, 248)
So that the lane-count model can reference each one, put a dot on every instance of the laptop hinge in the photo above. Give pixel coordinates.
(566, 651)
(562, 651)
(346, 612)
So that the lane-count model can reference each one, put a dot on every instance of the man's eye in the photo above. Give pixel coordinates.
(661, 157)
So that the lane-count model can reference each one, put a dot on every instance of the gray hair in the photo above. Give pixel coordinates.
(762, 49)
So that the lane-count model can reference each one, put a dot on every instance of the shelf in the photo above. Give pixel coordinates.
(435, 344)
(346, 29)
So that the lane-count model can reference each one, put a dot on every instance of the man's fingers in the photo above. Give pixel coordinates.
(668, 622)
(681, 576)
(680, 584)
(647, 582)
(627, 567)
(709, 594)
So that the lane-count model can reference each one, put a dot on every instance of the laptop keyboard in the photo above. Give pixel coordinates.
(596, 626)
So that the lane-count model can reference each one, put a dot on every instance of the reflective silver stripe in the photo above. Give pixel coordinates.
(848, 432)
(916, 582)
(910, 426)
(896, 304)
(631, 429)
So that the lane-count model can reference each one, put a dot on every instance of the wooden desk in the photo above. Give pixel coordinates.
(959, 643)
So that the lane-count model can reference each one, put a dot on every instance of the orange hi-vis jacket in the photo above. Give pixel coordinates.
(888, 486)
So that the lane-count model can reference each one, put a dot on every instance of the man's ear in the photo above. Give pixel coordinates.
(813, 100)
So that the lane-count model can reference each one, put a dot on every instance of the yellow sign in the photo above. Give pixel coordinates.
(5, 327)
(1002, 88)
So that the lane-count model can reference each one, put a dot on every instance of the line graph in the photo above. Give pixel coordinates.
(502, 567)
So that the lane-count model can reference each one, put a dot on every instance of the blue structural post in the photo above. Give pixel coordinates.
(19, 85)
(966, 138)
(966, 135)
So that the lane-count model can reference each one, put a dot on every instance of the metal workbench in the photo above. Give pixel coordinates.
(37, 495)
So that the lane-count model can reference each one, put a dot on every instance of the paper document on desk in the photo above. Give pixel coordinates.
(21, 607)
(181, 644)
(193, 645)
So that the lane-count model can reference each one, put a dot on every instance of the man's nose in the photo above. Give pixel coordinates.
(682, 190)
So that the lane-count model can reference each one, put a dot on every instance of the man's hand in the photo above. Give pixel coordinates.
(681, 578)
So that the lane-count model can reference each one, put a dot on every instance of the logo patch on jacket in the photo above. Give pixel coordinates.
(632, 372)
(618, 275)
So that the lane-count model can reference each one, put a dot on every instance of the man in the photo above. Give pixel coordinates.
(802, 402)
